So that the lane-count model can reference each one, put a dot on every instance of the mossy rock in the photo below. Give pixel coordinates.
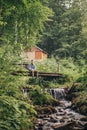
(45, 109)
(83, 109)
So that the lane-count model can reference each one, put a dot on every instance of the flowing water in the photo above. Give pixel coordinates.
(64, 118)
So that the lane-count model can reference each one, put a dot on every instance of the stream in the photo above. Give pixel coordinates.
(64, 118)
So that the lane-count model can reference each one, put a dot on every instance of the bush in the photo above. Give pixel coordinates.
(15, 114)
(39, 96)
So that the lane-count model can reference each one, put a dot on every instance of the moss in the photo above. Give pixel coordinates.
(80, 102)
(83, 109)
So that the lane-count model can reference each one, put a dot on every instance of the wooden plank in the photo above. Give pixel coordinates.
(50, 74)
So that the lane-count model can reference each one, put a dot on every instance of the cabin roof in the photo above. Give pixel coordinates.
(27, 49)
(40, 49)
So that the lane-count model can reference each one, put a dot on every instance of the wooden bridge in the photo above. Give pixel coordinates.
(36, 74)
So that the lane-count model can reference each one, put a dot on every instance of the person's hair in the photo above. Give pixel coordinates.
(32, 61)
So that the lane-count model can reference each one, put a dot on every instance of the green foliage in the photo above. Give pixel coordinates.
(83, 77)
(24, 21)
(39, 96)
(65, 35)
(48, 65)
(80, 102)
(15, 114)
(68, 67)
(83, 80)
(15, 111)
(20, 24)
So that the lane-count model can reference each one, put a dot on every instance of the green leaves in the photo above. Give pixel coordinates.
(24, 21)
(7, 112)
(14, 113)
(63, 35)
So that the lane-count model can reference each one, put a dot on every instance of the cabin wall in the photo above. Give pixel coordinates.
(28, 55)
(34, 53)
(38, 55)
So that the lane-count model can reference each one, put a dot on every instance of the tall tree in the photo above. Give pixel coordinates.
(20, 24)
(24, 20)
(64, 31)
(83, 7)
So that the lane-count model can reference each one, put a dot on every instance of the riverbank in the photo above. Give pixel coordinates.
(78, 96)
